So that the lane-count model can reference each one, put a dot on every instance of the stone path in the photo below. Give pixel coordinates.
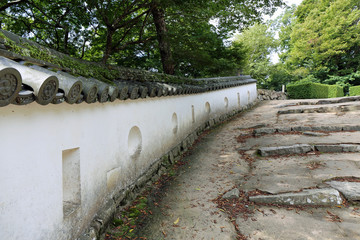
(291, 193)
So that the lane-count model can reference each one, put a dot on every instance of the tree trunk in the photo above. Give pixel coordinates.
(164, 44)
(108, 48)
(66, 41)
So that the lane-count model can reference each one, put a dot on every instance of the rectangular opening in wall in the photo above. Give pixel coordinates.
(71, 180)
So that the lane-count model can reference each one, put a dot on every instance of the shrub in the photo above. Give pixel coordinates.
(354, 91)
(310, 90)
(335, 91)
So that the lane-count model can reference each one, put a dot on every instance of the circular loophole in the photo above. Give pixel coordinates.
(174, 121)
(207, 107)
(226, 102)
(134, 142)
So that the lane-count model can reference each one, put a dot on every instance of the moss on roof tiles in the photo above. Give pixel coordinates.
(77, 67)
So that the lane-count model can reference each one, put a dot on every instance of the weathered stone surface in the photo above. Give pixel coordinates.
(264, 94)
(351, 128)
(285, 150)
(338, 148)
(315, 134)
(351, 190)
(350, 148)
(283, 129)
(234, 193)
(90, 235)
(317, 128)
(348, 99)
(328, 148)
(261, 125)
(328, 128)
(290, 111)
(260, 131)
(320, 102)
(325, 197)
(282, 224)
(301, 128)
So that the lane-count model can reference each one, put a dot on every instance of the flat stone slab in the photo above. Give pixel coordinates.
(351, 190)
(285, 150)
(301, 128)
(261, 131)
(351, 128)
(323, 197)
(273, 223)
(315, 134)
(336, 168)
(332, 148)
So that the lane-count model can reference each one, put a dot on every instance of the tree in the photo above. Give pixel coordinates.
(146, 30)
(325, 38)
(231, 15)
(58, 24)
(167, 60)
(260, 43)
(121, 23)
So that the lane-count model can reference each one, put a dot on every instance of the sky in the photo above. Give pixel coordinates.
(289, 3)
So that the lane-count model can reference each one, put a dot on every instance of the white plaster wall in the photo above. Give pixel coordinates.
(32, 138)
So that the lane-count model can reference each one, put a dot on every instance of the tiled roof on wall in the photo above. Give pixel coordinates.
(26, 77)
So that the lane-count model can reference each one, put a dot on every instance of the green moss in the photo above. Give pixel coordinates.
(117, 222)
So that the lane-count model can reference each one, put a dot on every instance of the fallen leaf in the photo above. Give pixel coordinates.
(177, 221)
(333, 217)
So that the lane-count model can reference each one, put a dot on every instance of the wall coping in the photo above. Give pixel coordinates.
(30, 72)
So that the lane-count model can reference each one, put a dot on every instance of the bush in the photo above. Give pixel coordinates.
(310, 90)
(335, 91)
(354, 91)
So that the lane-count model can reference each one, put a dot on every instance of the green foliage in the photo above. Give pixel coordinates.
(122, 31)
(117, 222)
(259, 42)
(324, 38)
(335, 91)
(105, 73)
(319, 43)
(309, 90)
(125, 226)
(354, 91)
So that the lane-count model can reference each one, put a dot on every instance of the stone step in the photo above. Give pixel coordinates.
(350, 190)
(305, 148)
(285, 150)
(315, 197)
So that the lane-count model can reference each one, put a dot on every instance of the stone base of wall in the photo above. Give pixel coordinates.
(124, 197)
(264, 94)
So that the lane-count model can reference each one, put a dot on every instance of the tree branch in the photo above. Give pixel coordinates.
(9, 4)
(122, 47)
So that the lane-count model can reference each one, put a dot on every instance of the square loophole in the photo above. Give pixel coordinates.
(71, 180)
